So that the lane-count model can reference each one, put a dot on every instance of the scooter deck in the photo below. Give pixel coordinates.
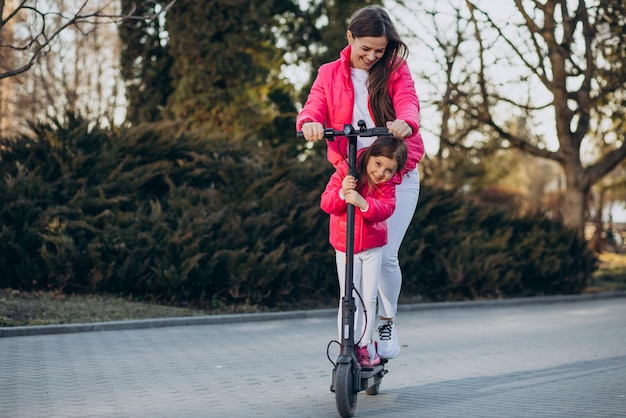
(371, 376)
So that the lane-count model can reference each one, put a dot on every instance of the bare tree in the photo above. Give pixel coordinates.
(32, 26)
(59, 56)
(535, 60)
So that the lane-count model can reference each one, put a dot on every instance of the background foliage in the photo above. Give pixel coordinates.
(203, 197)
(201, 219)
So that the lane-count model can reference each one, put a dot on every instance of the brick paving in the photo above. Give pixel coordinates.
(502, 360)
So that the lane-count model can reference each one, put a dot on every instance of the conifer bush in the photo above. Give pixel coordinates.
(457, 250)
(150, 213)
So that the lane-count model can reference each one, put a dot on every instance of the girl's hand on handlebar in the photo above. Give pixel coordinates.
(399, 128)
(313, 131)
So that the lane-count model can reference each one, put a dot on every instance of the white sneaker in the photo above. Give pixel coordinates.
(388, 346)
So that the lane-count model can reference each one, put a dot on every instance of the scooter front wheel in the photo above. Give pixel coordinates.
(345, 393)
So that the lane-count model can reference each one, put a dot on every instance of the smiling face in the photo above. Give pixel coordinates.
(366, 51)
(381, 169)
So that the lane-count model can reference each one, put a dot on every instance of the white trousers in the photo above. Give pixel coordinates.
(390, 280)
(367, 265)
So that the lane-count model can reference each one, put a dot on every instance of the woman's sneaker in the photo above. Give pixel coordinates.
(388, 346)
(367, 356)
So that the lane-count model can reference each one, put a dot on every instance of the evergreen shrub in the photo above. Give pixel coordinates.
(215, 221)
(458, 250)
(158, 215)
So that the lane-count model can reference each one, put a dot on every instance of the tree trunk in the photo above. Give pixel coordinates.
(596, 240)
(574, 208)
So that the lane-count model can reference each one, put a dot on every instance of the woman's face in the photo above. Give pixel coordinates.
(381, 169)
(366, 51)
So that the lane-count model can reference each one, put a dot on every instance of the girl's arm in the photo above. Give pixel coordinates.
(382, 205)
(331, 201)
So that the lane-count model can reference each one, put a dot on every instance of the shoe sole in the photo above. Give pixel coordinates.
(369, 366)
(388, 357)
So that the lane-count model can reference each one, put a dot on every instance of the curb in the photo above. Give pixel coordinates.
(535, 300)
(272, 316)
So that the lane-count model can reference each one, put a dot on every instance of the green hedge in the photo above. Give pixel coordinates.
(211, 220)
(457, 250)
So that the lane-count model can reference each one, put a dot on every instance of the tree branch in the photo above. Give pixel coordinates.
(38, 42)
(609, 161)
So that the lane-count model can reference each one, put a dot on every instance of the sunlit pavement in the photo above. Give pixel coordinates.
(543, 359)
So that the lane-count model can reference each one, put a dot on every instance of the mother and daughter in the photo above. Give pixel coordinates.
(370, 81)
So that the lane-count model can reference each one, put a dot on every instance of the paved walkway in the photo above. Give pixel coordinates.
(501, 360)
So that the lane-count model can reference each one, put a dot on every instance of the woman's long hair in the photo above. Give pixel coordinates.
(383, 146)
(373, 21)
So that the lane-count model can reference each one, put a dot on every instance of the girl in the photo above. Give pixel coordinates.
(372, 193)
(371, 81)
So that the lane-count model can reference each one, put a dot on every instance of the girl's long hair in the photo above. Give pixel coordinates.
(373, 21)
(383, 146)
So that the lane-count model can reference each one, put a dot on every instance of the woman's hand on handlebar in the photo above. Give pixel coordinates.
(313, 131)
(399, 128)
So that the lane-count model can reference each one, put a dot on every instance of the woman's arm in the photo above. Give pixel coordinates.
(404, 97)
(314, 109)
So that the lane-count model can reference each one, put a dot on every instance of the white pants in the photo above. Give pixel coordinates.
(390, 280)
(367, 265)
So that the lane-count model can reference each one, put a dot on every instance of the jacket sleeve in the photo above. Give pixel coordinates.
(331, 202)
(382, 205)
(404, 97)
(315, 108)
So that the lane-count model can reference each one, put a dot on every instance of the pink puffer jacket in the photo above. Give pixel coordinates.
(370, 227)
(331, 103)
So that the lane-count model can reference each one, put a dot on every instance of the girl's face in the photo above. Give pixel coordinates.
(381, 169)
(366, 51)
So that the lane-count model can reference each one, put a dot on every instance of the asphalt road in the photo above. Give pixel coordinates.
(495, 360)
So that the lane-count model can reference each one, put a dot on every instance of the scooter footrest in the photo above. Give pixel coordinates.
(366, 373)
(372, 376)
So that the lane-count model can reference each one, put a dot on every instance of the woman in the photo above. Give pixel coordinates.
(371, 81)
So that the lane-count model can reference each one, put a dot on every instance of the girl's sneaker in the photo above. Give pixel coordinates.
(367, 356)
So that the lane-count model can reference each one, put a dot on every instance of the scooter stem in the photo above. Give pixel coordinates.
(348, 304)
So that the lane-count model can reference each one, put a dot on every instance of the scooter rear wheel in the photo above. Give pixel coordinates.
(373, 390)
(345, 393)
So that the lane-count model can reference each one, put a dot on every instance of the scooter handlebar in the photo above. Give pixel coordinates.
(329, 134)
(349, 131)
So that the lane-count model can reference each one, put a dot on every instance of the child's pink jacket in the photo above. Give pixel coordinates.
(370, 227)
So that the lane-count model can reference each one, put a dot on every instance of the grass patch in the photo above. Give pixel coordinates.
(49, 308)
(611, 274)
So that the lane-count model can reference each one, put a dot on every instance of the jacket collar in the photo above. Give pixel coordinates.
(344, 59)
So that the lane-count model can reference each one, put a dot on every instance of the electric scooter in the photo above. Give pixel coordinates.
(348, 377)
